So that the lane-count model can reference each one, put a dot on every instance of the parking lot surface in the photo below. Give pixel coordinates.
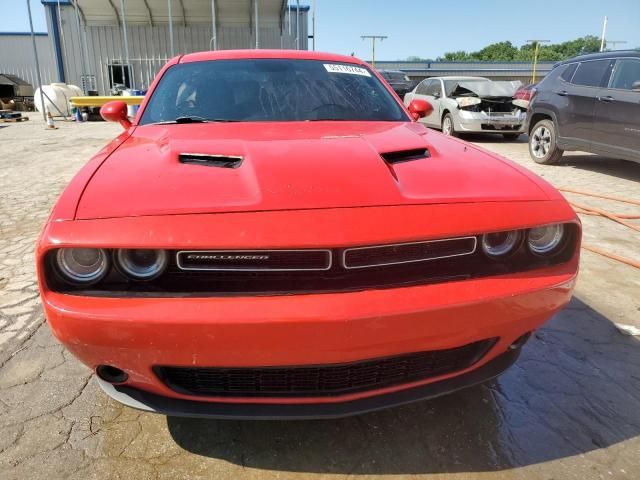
(568, 409)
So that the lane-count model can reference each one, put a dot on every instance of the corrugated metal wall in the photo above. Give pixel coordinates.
(420, 70)
(149, 46)
(16, 57)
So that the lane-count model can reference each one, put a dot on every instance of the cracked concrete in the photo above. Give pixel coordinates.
(568, 409)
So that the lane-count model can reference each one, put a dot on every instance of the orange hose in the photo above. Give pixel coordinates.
(599, 195)
(582, 211)
(586, 210)
(613, 256)
(609, 215)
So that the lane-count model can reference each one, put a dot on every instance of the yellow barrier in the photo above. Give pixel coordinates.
(99, 101)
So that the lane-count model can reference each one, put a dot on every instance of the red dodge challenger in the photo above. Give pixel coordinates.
(275, 236)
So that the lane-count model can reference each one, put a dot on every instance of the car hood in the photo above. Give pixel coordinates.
(291, 166)
(486, 89)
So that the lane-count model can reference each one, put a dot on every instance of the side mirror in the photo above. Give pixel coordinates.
(116, 111)
(420, 108)
(635, 86)
(436, 95)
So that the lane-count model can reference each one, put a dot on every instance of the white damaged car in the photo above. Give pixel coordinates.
(471, 105)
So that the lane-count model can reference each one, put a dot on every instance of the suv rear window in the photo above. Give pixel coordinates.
(592, 73)
(568, 72)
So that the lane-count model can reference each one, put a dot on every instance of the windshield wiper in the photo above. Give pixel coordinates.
(330, 120)
(195, 119)
(192, 119)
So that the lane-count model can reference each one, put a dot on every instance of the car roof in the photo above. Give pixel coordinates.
(255, 54)
(458, 78)
(599, 55)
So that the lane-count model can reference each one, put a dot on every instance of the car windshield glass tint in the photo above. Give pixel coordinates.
(591, 73)
(256, 90)
(450, 85)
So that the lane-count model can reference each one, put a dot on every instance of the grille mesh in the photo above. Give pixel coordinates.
(322, 380)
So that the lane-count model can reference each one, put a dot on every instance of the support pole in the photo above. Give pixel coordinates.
(213, 44)
(257, 21)
(535, 61)
(313, 25)
(170, 29)
(373, 39)
(80, 42)
(35, 54)
(123, 17)
(297, 24)
(536, 51)
(604, 32)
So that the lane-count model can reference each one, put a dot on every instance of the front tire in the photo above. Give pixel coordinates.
(448, 127)
(543, 147)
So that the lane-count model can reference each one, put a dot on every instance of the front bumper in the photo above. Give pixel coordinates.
(481, 122)
(136, 334)
(150, 402)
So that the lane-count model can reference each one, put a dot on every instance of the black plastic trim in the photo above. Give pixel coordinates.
(254, 411)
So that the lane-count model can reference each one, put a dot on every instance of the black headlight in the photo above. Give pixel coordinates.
(545, 240)
(82, 266)
(141, 264)
(501, 244)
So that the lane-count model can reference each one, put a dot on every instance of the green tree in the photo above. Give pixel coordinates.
(455, 56)
(506, 51)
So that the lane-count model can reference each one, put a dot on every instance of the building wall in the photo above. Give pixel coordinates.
(16, 57)
(418, 71)
(149, 46)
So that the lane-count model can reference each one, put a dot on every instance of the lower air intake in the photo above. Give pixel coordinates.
(322, 380)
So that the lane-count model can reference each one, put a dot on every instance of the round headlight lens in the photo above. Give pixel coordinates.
(544, 240)
(83, 265)
(500, 244)
(142, 264)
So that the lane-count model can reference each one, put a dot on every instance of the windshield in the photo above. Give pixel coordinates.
(258, 90)
(450, 85)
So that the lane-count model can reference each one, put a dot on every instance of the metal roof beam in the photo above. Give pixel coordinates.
(184, 14)
(115, 11)
(80, 12)
(146, 4)
(283, 12)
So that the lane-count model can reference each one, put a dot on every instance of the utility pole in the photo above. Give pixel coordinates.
(604, 32)
(536, 43)
(35, 54)
(313, 24)
(613, 43)
(373, 45)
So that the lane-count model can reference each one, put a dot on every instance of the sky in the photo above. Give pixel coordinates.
(429, 28)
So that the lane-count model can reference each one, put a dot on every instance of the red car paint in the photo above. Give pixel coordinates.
(302, 185)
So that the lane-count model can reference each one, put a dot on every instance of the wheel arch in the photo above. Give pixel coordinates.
(542, 115)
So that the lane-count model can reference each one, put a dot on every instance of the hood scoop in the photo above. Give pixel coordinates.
(405, 155)
(208, 160)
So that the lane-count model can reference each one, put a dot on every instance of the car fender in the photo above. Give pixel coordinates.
(542, 111)
(451, 106)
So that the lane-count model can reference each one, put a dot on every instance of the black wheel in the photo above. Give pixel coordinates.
(542, 143)
(448, 127)
(510, 136)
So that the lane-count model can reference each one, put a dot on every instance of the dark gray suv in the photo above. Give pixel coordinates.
(589, 103)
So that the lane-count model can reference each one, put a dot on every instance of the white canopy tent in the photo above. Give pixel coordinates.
(102, 43)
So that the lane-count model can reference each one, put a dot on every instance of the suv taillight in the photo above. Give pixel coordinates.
(532, 94)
